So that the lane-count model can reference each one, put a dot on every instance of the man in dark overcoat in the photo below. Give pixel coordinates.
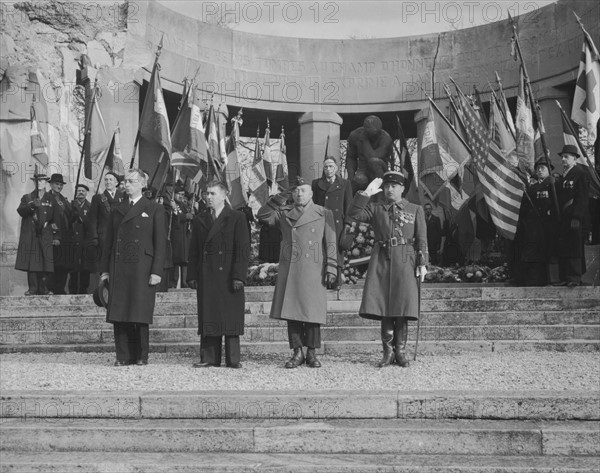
(79, 278)
(307, 267)
(181, 231)
(64, 252)
(100, 208)
(573, 196)
(334, 193)
(37, 237)
(370, 152)
(536, 230)
(218, 266)
(434, 234)
(133, 261)
(398, 258)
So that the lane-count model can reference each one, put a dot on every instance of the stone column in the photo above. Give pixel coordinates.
(315, 127)
(552, 120)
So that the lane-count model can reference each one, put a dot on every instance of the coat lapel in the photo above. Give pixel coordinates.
(134, 211)
(219, 223)
(310, 214)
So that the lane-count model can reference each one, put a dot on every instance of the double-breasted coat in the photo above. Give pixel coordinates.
(35, 253)
(391, 285)
(308, 253)
(219, 253)
(573, 195)
(64, 254)
(97, 223)
(134, 248)
(337, 197)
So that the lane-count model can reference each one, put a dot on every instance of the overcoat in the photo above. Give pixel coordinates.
(34, 252)
(391, 285)
(134, 248)
(308, 252)
(64, 254)
(77, 235)
(336, 197)
(219, 253)
(180, 233)
(573, 195)
(97, 223)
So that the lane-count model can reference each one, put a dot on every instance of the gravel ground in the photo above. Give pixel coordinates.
(474, 371)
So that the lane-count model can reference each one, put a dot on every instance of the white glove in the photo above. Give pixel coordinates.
(374, 187)
(421, 272)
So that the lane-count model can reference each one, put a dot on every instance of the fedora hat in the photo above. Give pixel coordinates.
(100, 294)
(58, 178)
(569, 149)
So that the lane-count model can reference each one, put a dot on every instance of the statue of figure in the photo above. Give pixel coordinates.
(370, 152)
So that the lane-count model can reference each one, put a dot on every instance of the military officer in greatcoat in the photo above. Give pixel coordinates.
(64, 252)
(399, 257)
(573, 196)
(133, 262)
(307, 267)
(334, 193)
(39, 234)
(79, 278)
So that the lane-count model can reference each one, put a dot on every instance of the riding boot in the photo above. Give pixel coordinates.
(400, 338)
(296, 360)
(311, 359)
(387, 336)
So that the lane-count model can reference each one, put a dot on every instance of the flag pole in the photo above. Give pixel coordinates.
(535, 107)
(501, 109)
(87, 132)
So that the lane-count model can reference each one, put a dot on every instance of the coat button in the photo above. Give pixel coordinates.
(310, 242)
(137, 226)
(220, 252)
(221, 269)
(136, 241)
(307, 255)
(312, 230)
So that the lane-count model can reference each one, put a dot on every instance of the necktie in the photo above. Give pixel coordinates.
(131, 203)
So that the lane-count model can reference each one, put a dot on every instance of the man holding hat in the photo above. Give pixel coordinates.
(79, 278)
(536, 231)
(573, 195)
(63, 252)
(398, 258)
(37, 237)
(307, 267)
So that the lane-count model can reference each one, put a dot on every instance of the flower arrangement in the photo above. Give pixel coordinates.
(262, 274)
(364, 238)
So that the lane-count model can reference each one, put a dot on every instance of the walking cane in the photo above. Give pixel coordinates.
(419, 263)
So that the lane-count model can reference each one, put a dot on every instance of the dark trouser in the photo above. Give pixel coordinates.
(59, 280)
(132, 341)
(79, 282)
(304, 334)
(37, 282)
(210, 349)
(571, 269)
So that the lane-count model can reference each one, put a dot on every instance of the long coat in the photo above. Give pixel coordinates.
(219, 253)
(97, 223)
(180, 234)
(573, 195)
(34, 252)
(64, 254)
(134, 248)
(79, 230)
(336, 197)
(308, 253)
(391, 285)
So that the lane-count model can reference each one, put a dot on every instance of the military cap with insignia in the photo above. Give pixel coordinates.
(393, 177)
(299, 182)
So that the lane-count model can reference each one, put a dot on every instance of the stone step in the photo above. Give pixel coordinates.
(99, 462)
(341, 348)
(434, 305)
(73, 319)
(395, 436)
(320, 405)
(278, 333)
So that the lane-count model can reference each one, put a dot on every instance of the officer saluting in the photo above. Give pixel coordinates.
(391, 291)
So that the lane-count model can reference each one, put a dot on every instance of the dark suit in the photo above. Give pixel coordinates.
(100, 208)
(434, 238)
(219, 253)
(63, 253)
(79, 279)
(134, 248)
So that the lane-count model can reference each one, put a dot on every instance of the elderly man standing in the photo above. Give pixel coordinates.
(63, 253)
(218, 265)
(307, 266)
(399, 257)
(132, 262)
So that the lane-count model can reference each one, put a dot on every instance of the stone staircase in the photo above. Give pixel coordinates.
(454, 318)
(333, 431)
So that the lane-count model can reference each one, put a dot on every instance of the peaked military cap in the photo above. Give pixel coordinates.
(393, 176)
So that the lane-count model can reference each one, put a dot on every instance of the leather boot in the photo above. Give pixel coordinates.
(311, 359)
(296, 360)
(400, 338)
(387, 336)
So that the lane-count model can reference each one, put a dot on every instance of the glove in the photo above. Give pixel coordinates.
(154, 280)
(330, 280)
(374, 187)
(575, 224)
(237, 285)
(193, 284)
(55, 242)
(421, 272)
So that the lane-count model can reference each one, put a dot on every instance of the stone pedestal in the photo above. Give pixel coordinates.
(315, 127)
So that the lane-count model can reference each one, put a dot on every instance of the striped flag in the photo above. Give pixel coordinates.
(413, 192)
(502, 187)
(237, 194)
(215, 164)
(586, 101)
(98, 140)
(503, 104)
(280, 167)
(525, 133)
(154, 131)
(114, 158)
(221, 115)
(268, 159)
(255, 177)
(39, 149)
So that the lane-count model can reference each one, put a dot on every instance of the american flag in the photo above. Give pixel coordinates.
(502, 187)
